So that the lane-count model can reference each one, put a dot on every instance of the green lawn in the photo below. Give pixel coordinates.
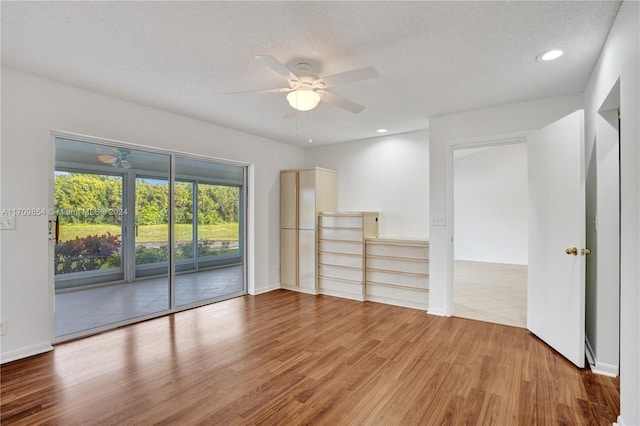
(154, 233)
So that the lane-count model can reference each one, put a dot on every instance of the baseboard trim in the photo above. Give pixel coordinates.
(605, 369)
(591, 359)
(257, 291)
(299, 289)
(598, 367)
(334, 293)
(437, 312)
(396, 302)
(25, 352)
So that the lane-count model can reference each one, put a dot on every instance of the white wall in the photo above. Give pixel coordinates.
(388, 174)
(31, 108)
(490, 204)
(620, 61)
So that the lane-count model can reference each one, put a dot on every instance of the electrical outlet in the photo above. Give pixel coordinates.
(438, 220)
(3, 327)
(7, 222)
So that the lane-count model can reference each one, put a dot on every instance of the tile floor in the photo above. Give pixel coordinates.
(491, 292)
(81, 310)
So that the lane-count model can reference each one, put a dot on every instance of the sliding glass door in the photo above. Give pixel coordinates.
(142, 233)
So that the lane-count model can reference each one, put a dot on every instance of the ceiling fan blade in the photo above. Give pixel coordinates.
(276, 90)
(340, 102)
(350, 76)
(277, 66)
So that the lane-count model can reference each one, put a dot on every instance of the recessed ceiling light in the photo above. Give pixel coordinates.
(549, 55)
(382, 130)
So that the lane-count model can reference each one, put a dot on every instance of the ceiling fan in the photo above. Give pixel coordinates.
(306, 89)
(116, 157)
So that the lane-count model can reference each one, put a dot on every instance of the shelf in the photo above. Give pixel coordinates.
(398, 242)
(340, 241)
(404, 287)
(344, 280)
(408, 259)
(396, 272)
(342, 228)
(397, 250)
(347, 214)
(339, 253)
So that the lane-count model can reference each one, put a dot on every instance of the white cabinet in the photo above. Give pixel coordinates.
(397, 272)
(341, 252)
(303, 194)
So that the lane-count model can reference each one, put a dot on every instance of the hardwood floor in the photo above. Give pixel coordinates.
(292, 358)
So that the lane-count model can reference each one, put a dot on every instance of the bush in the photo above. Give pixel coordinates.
(205, 248)
(98, 252)
(146, 254)
(87, 254)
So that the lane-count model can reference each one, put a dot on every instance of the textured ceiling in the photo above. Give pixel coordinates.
(433, 57)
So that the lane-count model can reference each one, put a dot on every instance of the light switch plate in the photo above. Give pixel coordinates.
(7, 222)
(438, 220)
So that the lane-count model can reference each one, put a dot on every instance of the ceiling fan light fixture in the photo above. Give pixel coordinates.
(107, 158)
(303, 99)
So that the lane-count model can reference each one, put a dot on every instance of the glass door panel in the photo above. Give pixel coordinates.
(150, 271)
(218, 224)
(89, 211)
(99, 199)
(216, 261)
(151, 226)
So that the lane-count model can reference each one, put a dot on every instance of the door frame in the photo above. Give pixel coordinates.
(475, 142)
(604, 358)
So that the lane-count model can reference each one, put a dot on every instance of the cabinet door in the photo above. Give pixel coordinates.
(326, 191)
(307, 259)
(307, 199)
(289, 200)
(289, 257)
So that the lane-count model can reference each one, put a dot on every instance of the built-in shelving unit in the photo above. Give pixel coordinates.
(341, 252)
(397, 272)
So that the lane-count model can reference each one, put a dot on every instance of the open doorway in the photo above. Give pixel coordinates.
(491, 233)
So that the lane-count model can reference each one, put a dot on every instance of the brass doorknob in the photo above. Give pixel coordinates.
(573, 251)
(585, 252)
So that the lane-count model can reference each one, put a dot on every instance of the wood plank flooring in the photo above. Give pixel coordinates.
(292, 358)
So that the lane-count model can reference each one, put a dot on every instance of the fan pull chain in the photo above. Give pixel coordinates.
(310, 127)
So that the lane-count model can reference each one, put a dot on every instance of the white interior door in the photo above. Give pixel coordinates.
(556, 283)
